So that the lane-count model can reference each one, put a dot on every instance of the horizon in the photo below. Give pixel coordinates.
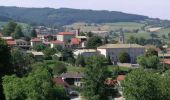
(151, 8)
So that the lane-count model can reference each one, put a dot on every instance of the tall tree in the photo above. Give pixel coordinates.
(80, 61)
(141, 85)
(9, 28)
(33, 33)
(94, 42)
(5, 63)
(95, 75)
(18, 32)
(124, 57)
(151, 52)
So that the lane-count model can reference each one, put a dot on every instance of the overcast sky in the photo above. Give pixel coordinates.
(151, 8)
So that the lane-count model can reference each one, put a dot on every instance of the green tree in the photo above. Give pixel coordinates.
(132, 40)
(9, 28)
(80, 61)
(6, 67)
(48, 52)
(39, 47)
(141, 85)
(151, 52)
(17, 33)
(164, 36)
(124, 57)
(150, 62)
(33, 33)
(89, 34)
(94, 87)
(94, 42)
(59, 68)
(109, 60)
(169, 35)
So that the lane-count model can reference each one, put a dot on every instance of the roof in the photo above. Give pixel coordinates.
(20, 40)
(72, 75)
(164, 55)
(11, 42)
(121, 77)
(166, 61)
(85, 50)
(75, 41)
(58, 42)
(65, 33)
(7, 38)
(35, 40)
(60, 81)
(81, 37)
(110, 46)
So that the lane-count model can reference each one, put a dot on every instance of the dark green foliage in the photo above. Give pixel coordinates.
(5, 63)
(66, 53)
(33, 33)
(146, 85)
(39, 47)
(17, 33)
(9, 28)
(109, 60)
(36, 86)
(58, 48)
(80, 60)
(59, 68)
(94, 42)
(48, 52)
(151, 52)
(95, 75)
(149, 62)
(63, 16)
(21, 61)
(124, 57)
(141, 85)
(89, 34)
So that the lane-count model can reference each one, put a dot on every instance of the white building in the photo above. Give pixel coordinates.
(35, 41)
(85, 52)
(113, 50)
(65, 36)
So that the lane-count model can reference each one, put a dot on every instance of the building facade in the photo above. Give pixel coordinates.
(114, 50)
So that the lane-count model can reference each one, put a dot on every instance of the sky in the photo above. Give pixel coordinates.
(151, 8)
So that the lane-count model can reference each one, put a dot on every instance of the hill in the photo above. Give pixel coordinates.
(63, 16)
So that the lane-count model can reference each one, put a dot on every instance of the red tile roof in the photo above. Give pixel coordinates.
(58, 42)
(36, 40)
(60, 81)
(11, 42)
(75, 41)
(65, 33)
(166, 61)
(121, 77)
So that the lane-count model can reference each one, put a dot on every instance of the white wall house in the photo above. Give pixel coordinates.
(57, 42)
(114, 50)
(65, 36)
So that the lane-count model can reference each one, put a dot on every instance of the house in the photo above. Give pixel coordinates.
(57, 42)
(22, 43)
(86, 52)
(35, 41)
(38, 55)
(11, 43)
(114, 50)
(75, 42)
(65, 36)
(61, 82)
(73, 78)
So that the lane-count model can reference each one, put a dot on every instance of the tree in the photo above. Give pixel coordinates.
(17, 33)
(80, 61)
(105, 41)
(131, 39)
(36, 86)
(151, 52)
(94, 87)
(154, 35)
(109, 60)
(124, 57)
(89, 34)
(9, 28)
(6, 67)
(163, 36)
(33, 33)
(59, 68)
(169, 35)
(149, 62)
(48, 52)
(94, 42)
(39, 47)
(141, 85)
